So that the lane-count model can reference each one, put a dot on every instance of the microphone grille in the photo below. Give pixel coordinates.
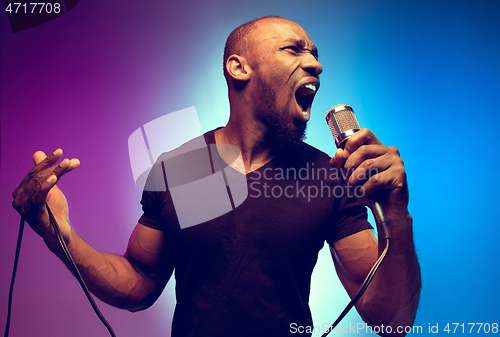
(340, 119)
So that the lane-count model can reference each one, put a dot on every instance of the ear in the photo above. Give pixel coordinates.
(238, 68)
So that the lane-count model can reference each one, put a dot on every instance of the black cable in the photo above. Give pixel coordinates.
(14, 270)
(362, 289)
(76, 272)
(71, 262)
(78, 276)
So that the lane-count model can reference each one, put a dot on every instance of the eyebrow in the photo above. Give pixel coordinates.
(314, 52)
(302, 44)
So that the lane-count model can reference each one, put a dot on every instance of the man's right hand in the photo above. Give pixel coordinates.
(133, 281)
(38, 188)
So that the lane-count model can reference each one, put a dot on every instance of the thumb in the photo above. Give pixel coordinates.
(338, 159)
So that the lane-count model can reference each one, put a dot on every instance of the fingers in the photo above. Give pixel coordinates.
(47, 179)
(64, 167)
(73, 164)
(33, 190)
(367, 163)
(367, 158)
(362, 137)
(43, 161)
(375, 167)
(350, 156)
(38, 193)
(391, 178)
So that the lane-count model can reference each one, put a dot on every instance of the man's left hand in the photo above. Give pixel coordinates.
(374, 170)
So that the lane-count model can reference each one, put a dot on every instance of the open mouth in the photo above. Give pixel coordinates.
(305, 96)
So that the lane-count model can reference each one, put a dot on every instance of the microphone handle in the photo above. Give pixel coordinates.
(380, 218)
(377, 209)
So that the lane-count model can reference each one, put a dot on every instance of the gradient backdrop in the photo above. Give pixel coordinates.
(423, 75)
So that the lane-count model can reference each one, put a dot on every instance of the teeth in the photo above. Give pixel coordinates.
(311, 86)
(304, 113)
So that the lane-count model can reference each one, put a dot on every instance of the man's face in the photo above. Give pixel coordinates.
(286, 73)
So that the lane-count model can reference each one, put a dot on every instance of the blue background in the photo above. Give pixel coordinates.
(422, 75)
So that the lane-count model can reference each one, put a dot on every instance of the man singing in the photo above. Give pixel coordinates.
(248, 272)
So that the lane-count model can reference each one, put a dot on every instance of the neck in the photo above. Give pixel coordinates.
(248, 138)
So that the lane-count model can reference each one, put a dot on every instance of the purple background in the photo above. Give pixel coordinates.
(423, 75)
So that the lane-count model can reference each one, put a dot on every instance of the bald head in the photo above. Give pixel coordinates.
(239, 40)
(244, 40)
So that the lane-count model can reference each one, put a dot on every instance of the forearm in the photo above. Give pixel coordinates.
(111, 278)
(121, 281)
(392, 297)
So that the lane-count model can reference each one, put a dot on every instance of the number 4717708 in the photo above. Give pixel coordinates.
(33, 7)
(471, 327)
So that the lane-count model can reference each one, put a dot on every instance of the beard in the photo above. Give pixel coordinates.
(281, 132)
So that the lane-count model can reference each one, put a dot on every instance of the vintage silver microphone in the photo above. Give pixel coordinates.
(343, 124)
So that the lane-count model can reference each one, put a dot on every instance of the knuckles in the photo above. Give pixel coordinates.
(16, 205)
(368, 136)
(374, 182)
(33, 171)
(39, 176)
(401, 172)
(19, 206)
(393, 150)
(367, 164)
(365, 132)
(363, 150)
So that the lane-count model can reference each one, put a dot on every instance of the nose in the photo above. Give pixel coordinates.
(312, 65)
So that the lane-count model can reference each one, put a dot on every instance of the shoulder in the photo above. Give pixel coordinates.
(173, 168)
(194, 144)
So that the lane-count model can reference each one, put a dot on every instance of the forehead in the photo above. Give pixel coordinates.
(280, 30)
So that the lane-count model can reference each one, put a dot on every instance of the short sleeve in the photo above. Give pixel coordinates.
(351, 218)
(157, 206)
(151, 216)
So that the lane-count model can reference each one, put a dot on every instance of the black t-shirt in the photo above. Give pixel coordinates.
(244, 268)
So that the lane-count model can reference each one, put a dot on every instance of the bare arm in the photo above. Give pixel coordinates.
(392, 298)
(133, 281)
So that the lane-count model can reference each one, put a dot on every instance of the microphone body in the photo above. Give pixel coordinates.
(343, 124)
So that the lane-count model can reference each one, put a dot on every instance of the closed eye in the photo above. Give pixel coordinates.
(295, 49)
